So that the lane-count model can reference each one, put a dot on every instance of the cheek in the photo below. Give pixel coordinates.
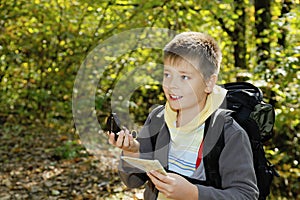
(199, 90)
(165, 84)
(201, 95)
(165, 88)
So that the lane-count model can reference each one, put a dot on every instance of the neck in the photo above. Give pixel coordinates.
(184, 116)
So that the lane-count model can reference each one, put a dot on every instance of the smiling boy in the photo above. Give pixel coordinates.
(185, 89)
(191, 66)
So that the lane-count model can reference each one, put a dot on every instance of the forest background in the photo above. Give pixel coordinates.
(43, 43)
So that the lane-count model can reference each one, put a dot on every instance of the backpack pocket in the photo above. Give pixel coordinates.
(264, 116)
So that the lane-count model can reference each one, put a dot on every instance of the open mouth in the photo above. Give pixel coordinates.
(175, 97)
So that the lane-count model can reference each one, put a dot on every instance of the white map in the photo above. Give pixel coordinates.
(144, 164)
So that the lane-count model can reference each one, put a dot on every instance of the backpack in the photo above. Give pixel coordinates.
(244, 103)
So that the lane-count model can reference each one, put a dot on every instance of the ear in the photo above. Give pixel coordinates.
(210, 83)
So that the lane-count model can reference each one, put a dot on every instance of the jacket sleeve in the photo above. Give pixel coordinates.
(236, 168)
(131, 176)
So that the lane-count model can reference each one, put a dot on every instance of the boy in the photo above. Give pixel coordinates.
(191, 66)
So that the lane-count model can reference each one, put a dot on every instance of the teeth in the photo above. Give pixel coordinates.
(175, 96)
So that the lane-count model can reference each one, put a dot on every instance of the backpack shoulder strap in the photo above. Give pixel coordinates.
(214, 143)
(156, 122)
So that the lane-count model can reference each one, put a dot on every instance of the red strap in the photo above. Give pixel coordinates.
(199, 158)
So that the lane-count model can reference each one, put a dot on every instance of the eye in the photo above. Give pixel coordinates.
(167, 75)
(185, 77)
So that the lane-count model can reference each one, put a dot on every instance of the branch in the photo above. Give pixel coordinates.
(222, 23)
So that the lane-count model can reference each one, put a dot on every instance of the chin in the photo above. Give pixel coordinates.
(175, 106)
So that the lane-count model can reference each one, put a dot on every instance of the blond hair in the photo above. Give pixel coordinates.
(195, 46)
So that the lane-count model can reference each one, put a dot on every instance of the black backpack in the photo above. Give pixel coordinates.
(257, 118)
(244, 102)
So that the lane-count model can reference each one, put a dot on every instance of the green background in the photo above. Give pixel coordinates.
(43, 44)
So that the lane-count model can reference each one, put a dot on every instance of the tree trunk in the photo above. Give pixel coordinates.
(262, 25)
(286, 7)
(239, 35)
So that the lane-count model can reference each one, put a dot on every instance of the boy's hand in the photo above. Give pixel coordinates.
(173, 186)
(126, 142)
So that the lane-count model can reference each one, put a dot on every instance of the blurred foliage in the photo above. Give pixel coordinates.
(44, 42)
(68, 150)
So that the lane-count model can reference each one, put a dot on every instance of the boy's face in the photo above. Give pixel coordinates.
(184, 86)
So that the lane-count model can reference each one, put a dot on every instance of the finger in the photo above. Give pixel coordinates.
(120, 140)
(154, 180)
(111, 138)
(126, 142)
(161, 177)
(131, 142)
(162, 187)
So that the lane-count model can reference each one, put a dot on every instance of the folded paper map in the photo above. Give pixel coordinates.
(144, 164)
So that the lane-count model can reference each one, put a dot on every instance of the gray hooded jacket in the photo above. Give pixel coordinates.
(235, 163)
